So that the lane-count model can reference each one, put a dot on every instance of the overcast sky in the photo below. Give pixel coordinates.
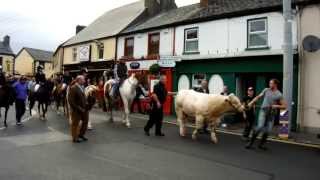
(44, 24)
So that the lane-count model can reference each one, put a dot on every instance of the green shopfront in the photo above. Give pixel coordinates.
(236, 73)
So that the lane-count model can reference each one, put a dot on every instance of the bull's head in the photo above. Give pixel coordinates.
(235, 102)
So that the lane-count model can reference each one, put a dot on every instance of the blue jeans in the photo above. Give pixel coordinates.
(265, 121)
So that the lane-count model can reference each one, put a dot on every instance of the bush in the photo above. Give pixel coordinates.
(154, 69)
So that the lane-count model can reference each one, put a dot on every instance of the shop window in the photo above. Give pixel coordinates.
(154, 44)
(216, 84)
(183, 83)
(129, 47)
(197, 79)
(191, 40)
(74, 54)
(257, 33)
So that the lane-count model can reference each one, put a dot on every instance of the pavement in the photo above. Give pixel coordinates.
(42, 150)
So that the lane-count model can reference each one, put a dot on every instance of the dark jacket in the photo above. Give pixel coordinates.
(161, 92)
(122, 70)
(2, 79)
(77, 99)
(40, 78)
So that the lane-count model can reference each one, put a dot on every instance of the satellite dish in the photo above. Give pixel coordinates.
(311, 43)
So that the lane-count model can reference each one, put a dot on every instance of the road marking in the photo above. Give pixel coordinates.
(239, 134)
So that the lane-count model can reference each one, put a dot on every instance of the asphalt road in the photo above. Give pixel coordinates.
(42, 150)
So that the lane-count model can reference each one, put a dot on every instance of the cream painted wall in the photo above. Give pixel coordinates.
(109, 51)
(7, 63)
(310, 69)
(24, 63)
(57, 61)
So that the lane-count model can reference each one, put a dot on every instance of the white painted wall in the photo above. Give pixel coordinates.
(229, 36)
(141, 43)
(309, 71)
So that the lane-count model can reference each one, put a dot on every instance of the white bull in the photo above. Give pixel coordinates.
(207, 108)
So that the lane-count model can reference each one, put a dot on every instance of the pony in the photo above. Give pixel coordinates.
(42, 96)
(7, 97)
(59, 96)
(127, 94)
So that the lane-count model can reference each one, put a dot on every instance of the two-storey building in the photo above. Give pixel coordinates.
(94, 47)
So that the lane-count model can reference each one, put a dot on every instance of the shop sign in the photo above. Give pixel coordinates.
(135, 65)
(84, 53)
(168, 61)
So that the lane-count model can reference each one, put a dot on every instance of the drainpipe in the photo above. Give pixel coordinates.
(174, 42)
(300, 106)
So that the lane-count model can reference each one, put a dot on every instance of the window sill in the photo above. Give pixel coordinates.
(258, 48)
(190, 53)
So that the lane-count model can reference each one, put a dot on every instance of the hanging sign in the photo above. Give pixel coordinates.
(84, 53)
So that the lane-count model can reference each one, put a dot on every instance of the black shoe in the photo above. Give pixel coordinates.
(160, 134)
(83, 138)
(263, 147)
(146, 132)
(76, 141)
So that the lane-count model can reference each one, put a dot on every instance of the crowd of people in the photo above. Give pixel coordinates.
(272, 101)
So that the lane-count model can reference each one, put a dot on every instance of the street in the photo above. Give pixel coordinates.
(43, 150)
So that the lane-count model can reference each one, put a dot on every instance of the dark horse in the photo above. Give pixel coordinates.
(43, 97)
(7, 97)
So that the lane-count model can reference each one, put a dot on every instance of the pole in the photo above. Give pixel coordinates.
(288, 58)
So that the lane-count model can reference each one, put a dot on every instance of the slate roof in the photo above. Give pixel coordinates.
(39, 55)
(5, 50)
(169, 17)
(217, 10)
(110, 23)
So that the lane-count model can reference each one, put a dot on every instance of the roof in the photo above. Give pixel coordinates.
(39, 55)
(109, 24)
(217, 10)
(5, 50)
(169, 17)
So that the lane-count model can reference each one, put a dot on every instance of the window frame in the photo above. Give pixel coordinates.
(190, 40)
(126, 51)
(74, 54)
(149, 44)
(249, 21)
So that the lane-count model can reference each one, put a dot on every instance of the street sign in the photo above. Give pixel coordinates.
(84, 53)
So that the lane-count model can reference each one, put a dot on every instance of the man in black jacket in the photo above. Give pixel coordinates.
(120, 72)
(158, 99)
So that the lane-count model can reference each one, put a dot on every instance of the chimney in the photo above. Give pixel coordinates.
(167, 5)
(204, 3)
(6, 40)
(152, 6)
(79, 28)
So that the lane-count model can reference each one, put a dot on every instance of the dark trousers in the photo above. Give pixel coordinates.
(20, 109)
(136, 101)
(76, 118)
(249, 125)
(155, 118)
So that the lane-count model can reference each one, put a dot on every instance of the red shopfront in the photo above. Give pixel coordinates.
(142, 66)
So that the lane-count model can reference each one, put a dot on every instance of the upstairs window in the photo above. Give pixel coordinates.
(129, 47)
(257, 33)
(74, 54)
(154, 44)
(191, 38)
(101, 51)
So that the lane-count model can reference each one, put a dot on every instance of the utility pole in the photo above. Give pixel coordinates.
(288, 58)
